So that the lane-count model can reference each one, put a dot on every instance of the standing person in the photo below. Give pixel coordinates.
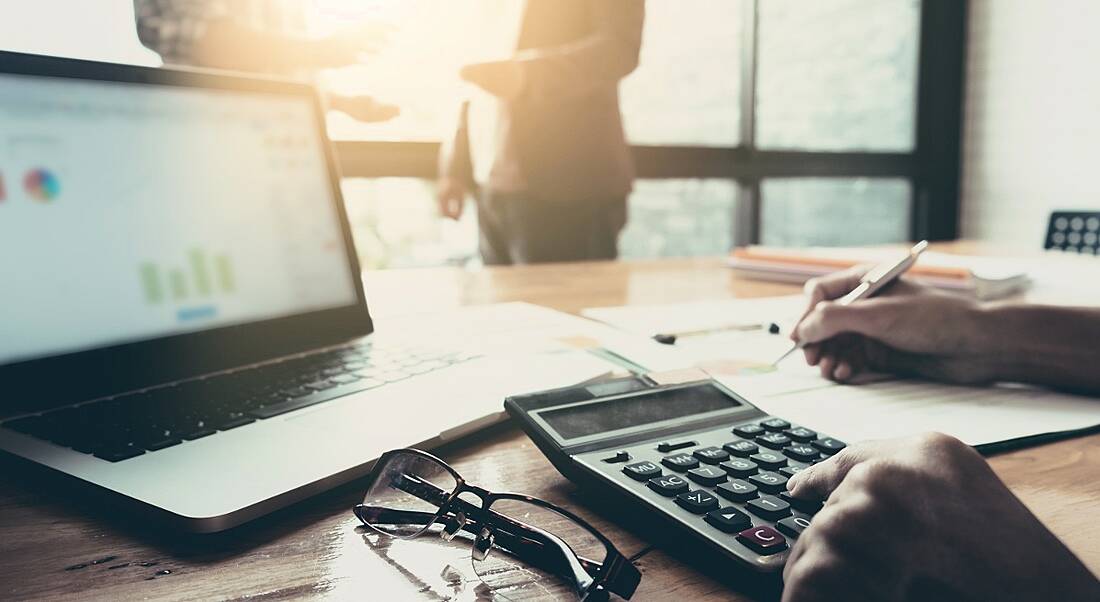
(260, 36)
(557, 187)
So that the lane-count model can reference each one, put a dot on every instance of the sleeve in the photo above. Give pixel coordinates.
(455, 160)
(604, 57)
(174, 28)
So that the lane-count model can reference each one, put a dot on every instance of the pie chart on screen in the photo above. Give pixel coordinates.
(42, 185)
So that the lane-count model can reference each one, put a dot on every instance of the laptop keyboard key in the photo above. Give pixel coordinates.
(159, 445)
(119, 453)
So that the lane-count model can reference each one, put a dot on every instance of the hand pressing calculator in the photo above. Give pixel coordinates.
(704, 460)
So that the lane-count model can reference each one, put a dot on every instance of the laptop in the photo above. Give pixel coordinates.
(184, 325)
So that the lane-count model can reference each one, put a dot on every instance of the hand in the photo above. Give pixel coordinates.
(364, 108)
(451, 196)
(909, 329)
(503, 79)
(924, 518)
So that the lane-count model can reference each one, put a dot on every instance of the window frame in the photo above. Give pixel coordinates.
(932, 167)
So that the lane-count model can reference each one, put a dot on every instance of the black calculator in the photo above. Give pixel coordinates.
(699, 457)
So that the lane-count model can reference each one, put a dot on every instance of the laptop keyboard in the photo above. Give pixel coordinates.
(132, 424)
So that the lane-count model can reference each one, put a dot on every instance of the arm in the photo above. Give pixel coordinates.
(609, 54)
(912, 329)
(456, 169)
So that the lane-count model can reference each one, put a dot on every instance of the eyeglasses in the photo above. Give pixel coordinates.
(560, 556)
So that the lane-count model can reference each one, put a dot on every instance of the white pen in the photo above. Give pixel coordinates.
(872, 282)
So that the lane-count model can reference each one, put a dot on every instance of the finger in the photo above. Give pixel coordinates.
(843, 371)
(827, 365)
(812, 353)
(870, 317)
(820, 480)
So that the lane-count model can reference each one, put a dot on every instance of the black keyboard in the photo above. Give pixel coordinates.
(129, 425)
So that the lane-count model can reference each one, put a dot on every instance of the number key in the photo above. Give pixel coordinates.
(769, 460)
(769, 482)
(642, 471)
(707, 475)
(737, 490)
(680, 462)
(739, 467)
(667, 486)
(768, 507)
(790, 471)
(793, 525)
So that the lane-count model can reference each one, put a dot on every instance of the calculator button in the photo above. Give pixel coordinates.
(737, 490)
(828, 445)
(739, 467)
(762, 540)
(743, 449)
(642, 471)
(790, 471)
(680, 462)
(769, 507)
(769, 482)
(748, 431)
(793, 525)
(707, 475)
(711, 455)
(667, 486)
(730, 520)
(800, 434)
(618, 457)
(773, 440)
(775, 424)
(801, 452)
(669, 446)
(769, 460)
(698, 501)
(802, 505)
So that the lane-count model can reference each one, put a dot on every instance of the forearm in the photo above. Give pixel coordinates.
(1054, 346)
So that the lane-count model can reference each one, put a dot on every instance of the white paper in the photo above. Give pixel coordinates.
(896, 408)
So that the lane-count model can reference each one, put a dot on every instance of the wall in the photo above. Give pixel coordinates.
(1032, 121)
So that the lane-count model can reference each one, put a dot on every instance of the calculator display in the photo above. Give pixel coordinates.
(626, 412)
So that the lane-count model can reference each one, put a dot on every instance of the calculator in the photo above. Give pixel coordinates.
(697, 456)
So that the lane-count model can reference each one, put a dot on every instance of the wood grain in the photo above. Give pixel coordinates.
(52, 546)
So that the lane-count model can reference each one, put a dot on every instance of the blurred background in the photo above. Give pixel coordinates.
(832, 122)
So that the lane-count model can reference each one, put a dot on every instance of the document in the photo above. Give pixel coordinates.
(875, 407)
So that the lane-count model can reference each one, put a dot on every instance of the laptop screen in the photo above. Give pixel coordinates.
(134, 211)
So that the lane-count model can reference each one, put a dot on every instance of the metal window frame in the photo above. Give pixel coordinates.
(932, 167)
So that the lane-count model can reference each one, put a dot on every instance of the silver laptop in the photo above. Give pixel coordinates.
(183, 324)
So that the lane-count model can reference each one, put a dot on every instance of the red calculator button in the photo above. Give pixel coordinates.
(763, 540)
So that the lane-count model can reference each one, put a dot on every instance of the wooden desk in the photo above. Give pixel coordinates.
(314, 550)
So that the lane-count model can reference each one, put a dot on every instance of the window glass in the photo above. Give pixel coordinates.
(688, 81)
(395, 224)
(679, 218)
(834, 211)
(837, 74)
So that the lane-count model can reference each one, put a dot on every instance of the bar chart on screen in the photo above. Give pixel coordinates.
(192, 290)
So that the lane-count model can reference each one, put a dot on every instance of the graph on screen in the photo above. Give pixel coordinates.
(193, 285)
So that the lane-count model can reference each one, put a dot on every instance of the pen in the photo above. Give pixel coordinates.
(670, 338)
(872, 282)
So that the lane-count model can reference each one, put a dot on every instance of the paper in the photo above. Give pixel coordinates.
(896, 408)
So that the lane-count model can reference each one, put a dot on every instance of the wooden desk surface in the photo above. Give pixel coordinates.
(53, 547)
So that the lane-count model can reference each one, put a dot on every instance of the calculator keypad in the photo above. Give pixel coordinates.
(737, 488)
